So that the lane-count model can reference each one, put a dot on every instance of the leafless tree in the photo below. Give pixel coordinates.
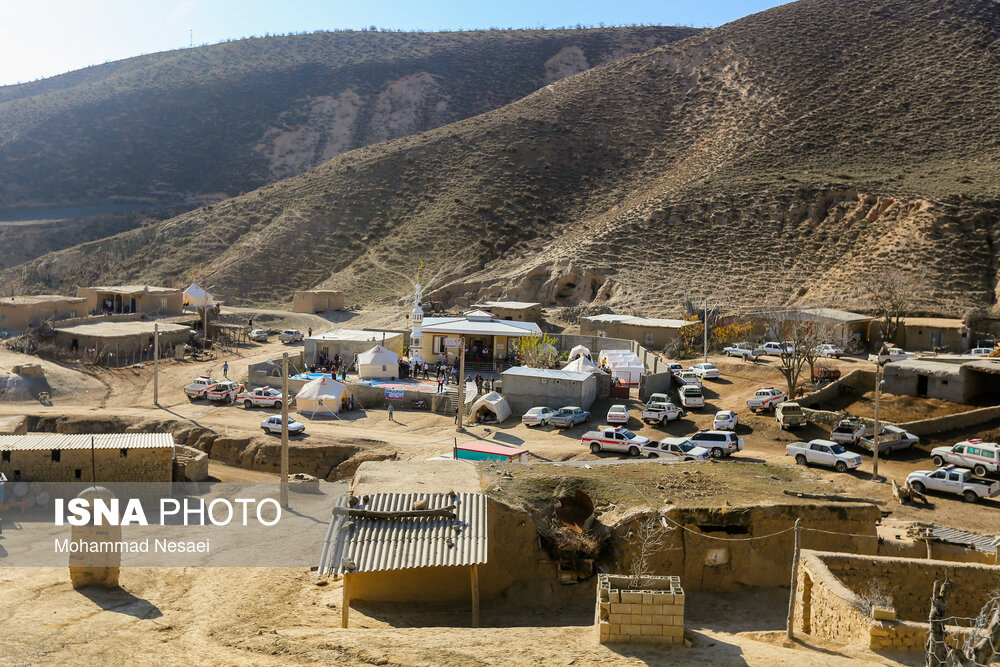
(646, 541)
(800, 334)
(978, 646)
(889, 295)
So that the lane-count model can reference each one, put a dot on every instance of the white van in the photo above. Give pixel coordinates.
(690, 396)
(978, 456)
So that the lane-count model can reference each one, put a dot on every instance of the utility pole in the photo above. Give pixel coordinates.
(795, 581)
(156, 364)
(205, 326)
(705, 328)
(284, 430)
(461, 385)
(878, 428)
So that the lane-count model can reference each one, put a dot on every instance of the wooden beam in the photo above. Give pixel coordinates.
(345, 606)
(832, 497)
(474, 576)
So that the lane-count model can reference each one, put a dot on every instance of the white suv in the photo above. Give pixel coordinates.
(718, 443)
(980, 457)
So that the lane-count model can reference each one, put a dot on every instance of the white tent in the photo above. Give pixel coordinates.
(196, 297)
(624, 365)
(378, 362)
(579, 351)
(324, 395)
(582, 365)
(492, 406)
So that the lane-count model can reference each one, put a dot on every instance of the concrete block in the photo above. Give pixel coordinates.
(652, 630)
(660, 619)
(665, 598)
(672, 609)
(618, 639)
(631, 629)
(678, 620)
(641, 619)
(603, 595)
(648, 598)
(673, 631)
(632, 596)
(650, 609)
(621, 608)
(884, 614)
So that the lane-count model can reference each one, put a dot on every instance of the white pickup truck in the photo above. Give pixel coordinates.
(743, 350)
(891, 354)
(265, 397)
(825, 453)
(661, 413)
(766, 398)
(849, 431)
(893, 439)
(677, 449)
(200, 387)
(225, 392)
(614, 439)
(950, 479)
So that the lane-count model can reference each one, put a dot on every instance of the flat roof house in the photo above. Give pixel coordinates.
(116, 457)
(121, 299)
(519, 311)
(317, 301)
(481, 330)
(650, 332)
(525, 388)
(349, 343)
(948, 378)
(933, 333)
(25, 312)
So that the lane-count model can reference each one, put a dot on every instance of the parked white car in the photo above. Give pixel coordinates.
(980, 457)
(825, 453)
(829, 350)
(291, 336)
(537, 416)
(718, 443)
(618, 414)
(766, 398)
(677, 449)
(891, 354)
(981, 351)
(690, 396)
(777, 349)
(705, 371)
(259, 335)
(675, 367)
(273, 425)
(725, 420)
(660, 412)
(688, 377)
(614, 439)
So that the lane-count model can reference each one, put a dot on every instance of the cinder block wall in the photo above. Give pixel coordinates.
(653, 614)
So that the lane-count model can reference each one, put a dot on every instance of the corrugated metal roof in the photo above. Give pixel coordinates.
(959, 537)
(548, 373)
(82, 441)
(356, 544)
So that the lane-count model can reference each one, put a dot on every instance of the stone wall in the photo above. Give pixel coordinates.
(653, 614)
(190, 464)
(952, 422)
(862, 381)
(831, 587)
(140, 464)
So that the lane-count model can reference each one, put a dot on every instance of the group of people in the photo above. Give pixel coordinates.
(336, 366)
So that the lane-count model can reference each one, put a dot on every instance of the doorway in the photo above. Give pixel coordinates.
(921, 385)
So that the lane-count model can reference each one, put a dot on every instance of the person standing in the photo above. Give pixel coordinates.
(390, 413)
(225, 369)
(310, 332)
(426, 368)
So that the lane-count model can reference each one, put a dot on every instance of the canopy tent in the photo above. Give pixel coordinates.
(378, 362)
(583, 365)
(196, 297)
(490, 407)
(624, 365)
(580, 351)
(324, 395)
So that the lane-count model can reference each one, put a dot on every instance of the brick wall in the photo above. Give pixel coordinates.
(651, 615)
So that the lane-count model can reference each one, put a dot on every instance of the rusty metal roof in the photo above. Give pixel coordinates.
(958, 537)
(357, 544)
(38, 441)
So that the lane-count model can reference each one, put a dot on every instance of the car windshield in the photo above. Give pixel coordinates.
(708, 367)
(627, 433)
(685, 447)
(618, 408)
(791, 409)
(837, 449)
(692, 391)
(535, 411)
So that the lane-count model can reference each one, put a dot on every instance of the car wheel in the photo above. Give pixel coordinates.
(841, 466)
(937, 461)
(247, 404)
(633, 451)
(277, 404)
(595, 448)
(970, 496)
(980, 471)
(654, 455)
(716, 452)
(800, 459)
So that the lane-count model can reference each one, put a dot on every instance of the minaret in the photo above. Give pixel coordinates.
(416, 335)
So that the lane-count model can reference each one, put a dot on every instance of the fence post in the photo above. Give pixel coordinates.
(795, 580)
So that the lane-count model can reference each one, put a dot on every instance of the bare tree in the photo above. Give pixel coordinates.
(800, 335)
(646, 540)
(978, 646)
(889, 293)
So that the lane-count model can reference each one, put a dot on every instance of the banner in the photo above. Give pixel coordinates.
(453, 342)
(393, 394)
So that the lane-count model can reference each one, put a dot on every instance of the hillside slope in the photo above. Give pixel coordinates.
(778, 158)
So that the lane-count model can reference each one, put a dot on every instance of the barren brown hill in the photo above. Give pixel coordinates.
(183, 128)
(780, 157)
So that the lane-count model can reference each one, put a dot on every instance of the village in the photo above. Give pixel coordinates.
(769, 485)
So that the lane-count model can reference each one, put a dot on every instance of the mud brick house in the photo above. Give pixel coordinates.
(116, 457)
(25, 312)
(132, 299)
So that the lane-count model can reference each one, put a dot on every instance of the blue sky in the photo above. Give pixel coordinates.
(41, 38)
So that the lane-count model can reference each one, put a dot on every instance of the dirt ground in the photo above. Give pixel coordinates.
(279, 616)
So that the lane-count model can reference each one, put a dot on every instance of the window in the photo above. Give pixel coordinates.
(987, 453)
(648, 338)
(123, 452)
(78, 473)
(56, 455)
(954, 477)
(973, 451)
(163, 304)
(937, 475)
(72, 313)
(5, 457)
(438, 346)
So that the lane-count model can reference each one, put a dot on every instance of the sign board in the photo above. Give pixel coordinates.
(393, 394)
(453, 342)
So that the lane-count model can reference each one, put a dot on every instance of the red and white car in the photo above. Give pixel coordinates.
(618, 414)
(225, 392)
(766, 398)
(614, 439)
(980, 457)
(200, 387)
(265, 397)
